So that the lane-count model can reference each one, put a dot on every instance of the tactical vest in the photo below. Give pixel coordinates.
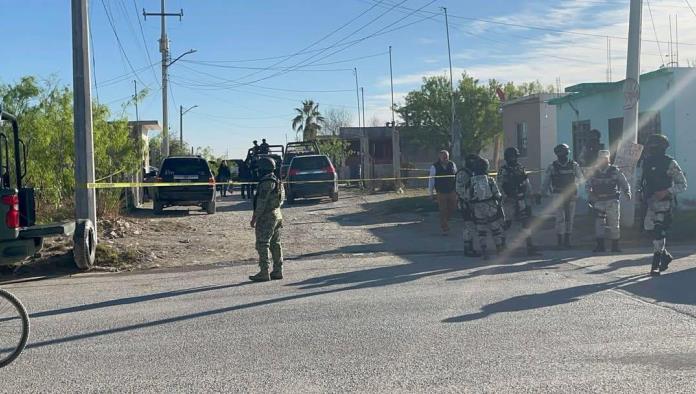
(277, 191)
(563, 176)
(605, 185)
(655, 176)
(480, 189)
(444, 184)
(513, 179)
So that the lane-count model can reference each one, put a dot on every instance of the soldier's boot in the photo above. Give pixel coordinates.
(484, 251)
(665, 259)
(262, 276)
(615, 246)
(655, 268)
(277, 273)
(500, 247)
(532, 250)
(469, 250)
(560, 240)
(600, 246)
(566, 241)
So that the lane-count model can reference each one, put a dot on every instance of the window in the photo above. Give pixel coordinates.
(581, 135)
(522, 139)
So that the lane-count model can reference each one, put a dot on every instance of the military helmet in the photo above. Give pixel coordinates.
(511, 153)
(470, 160)
(657, 140)
(561, 149)
(481, 166)
(266, 164)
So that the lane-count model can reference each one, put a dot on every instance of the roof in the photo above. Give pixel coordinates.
(592, 88)
(145, 125)
(538, 97)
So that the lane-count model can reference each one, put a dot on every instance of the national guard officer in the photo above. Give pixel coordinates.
(562, 179)
(268, 221)
(483, 196)
(661, 180)
(517, 195)
(604, 187)
(463, 177)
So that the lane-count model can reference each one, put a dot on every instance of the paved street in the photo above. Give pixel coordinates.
(367, 323)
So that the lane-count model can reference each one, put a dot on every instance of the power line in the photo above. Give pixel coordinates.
(118, 40)
(142, 34)
(215, 62)
(657, 40)
(261, 68)
(126, 76)
(690, 7)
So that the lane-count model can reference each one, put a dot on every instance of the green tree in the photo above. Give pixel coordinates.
(335, 148)
(308, 121)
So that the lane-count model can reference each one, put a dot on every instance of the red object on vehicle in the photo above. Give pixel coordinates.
(294, 172)
(330, 169)
(12, 216)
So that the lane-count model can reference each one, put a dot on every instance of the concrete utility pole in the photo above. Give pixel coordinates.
(135, 100)
(85, 199)
(181, 122)
(391, 80)
(455, 137)
(362, 93)
(164, 49)
(632, 93)
(357, 93)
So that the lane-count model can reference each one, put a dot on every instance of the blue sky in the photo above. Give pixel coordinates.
(230, 35)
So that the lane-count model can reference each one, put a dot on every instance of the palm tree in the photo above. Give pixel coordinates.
(308, 120)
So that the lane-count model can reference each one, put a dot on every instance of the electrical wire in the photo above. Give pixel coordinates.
(657, 40)
(118, 40)
(147, 50)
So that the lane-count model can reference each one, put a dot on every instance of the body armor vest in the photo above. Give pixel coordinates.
(605, 185)
(563, 176)
(655, 176)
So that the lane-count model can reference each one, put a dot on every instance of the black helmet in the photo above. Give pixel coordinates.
(561, 149)
(657, 140)
(480, 167)
(266, 165)
(511, 153)
(470, 161)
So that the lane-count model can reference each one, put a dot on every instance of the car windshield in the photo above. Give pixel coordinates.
(185, 166)
(310, 163)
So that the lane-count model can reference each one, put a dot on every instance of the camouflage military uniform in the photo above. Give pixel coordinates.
(269, 222)
(487, 212)
(604, 188)
(469, 231)
(517, 199)
(562, 180)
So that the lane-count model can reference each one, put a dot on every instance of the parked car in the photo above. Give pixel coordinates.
(183, 170)
(293, 149)
(319, 174)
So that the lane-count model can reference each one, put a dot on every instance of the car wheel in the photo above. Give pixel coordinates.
(158, 207)
(85, 245)
(210, 207)
(334, 196)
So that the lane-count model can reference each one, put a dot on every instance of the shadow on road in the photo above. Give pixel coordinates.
(541, 300)
(672, 287)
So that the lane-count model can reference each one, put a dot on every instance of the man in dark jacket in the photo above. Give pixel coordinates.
(442, 180)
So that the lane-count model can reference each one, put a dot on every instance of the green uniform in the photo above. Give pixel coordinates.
(269, 221)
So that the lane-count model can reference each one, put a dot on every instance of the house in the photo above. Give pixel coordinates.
(373, 152)
(529, 124)
(667, 106)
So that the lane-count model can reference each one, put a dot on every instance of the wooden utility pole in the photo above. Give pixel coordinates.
(85, 199)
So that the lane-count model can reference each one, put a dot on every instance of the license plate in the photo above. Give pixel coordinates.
(188, 178)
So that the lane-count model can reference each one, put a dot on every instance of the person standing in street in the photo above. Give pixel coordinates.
(484, 198)
(604, 188)
(562, 179)
(441, 186)
(268, 222)
(661, 180)
(462, 184)
(264, 148)
(517, 195)
(224, 174)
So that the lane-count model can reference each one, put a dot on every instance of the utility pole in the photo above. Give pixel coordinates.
(181, 122)
(391, 79)
(632, 94)
(135, 99)
(85, 199)
(164, 49)
(455, 137)
(357, 93)
(362, 92)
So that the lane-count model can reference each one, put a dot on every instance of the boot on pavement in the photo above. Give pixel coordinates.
(262, 276)
(600, 246)
(655, 268)
(469, 250)
(665, 259)
(277, 273)
(615, 246)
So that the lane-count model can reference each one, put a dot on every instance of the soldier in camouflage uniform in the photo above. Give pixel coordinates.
(562, 179)
(483, 196)
(268, 221)
(661, 180)
(517, 193)
(463, 177)
(604, 188)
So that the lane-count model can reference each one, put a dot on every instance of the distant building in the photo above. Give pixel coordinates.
(139, 132)
(667, 106)
(529, 124)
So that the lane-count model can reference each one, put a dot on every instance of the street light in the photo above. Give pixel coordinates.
(165, 101)
(181, 122)
(190, 51)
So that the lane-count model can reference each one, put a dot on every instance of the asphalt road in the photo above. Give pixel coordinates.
(368, 323)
